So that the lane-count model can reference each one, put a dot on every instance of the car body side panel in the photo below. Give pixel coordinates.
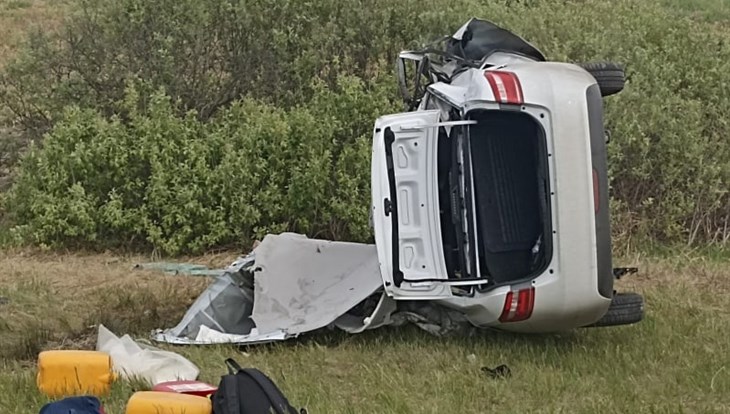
(454, 95)
(476, 86)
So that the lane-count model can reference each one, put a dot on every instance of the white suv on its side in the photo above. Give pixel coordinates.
(490, 194)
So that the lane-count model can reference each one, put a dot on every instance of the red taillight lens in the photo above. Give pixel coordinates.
(518, 305)
(505, 86)
(596, 191)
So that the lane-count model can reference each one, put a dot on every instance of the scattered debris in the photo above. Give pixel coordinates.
(620, 272)
(501, 371)
(189, 269)
(290, 285)
(712, 381)
(299, 285)
(134, 360)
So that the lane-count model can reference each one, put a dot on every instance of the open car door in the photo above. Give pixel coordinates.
(405, 205)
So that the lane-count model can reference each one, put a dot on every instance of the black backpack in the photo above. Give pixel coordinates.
(249, 391)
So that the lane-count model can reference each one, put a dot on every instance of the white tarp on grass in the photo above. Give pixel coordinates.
(133, 360)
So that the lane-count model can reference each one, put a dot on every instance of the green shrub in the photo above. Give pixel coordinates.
(271, 105)
(205, 54)
(176, 184)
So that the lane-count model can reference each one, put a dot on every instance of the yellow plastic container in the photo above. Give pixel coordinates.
(67, 373)
(154, 402)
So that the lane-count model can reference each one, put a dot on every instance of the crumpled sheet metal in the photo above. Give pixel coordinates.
(304, 284)
(189, 269)
(224, 306)
(299, 285)
(209, 336)
(433, 318)
(290, 285)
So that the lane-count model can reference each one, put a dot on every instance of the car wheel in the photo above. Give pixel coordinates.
(610, 76)
(625, 309)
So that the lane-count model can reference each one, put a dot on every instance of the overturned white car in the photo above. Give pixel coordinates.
(489, 208)
(490, 197)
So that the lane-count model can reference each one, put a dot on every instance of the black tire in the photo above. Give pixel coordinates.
(625, 309)
(610, 76)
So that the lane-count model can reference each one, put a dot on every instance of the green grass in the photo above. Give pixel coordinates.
(17, 4)
(676, 360)
(712, 10)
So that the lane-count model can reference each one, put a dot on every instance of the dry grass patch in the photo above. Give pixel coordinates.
(54, 300)
(17, 17)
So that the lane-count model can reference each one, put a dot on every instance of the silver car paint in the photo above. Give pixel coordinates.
(566, 293)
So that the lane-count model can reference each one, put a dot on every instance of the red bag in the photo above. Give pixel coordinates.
(197, 388)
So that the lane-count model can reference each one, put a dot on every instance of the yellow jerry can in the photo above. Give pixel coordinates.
(155, 402)
(68, 373)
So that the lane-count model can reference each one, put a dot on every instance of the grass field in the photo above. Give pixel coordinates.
(676, 360)
(17, 17)
(713, 10)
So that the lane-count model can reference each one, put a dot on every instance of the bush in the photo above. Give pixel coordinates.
(206, 54)
(179, 185)
(265, 120)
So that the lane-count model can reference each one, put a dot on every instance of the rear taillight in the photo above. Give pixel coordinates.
(518, 305)
(596, 191)
(505, 86)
